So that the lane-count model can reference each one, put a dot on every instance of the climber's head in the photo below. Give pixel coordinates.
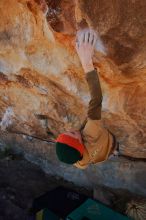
(69, 147)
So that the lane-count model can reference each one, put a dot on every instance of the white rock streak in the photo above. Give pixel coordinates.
(7, 118)
(100, 46)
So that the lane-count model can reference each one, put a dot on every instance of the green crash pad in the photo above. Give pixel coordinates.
(93, 210)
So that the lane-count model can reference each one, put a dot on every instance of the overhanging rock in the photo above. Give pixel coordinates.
(43, 90)
(118, 173)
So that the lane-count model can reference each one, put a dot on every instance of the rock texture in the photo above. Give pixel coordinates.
(118, 173)
(43, 90)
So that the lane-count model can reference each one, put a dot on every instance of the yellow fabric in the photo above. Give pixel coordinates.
(39, 215)
(98, 142)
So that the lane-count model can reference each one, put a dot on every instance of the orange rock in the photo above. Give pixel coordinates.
(40, 73)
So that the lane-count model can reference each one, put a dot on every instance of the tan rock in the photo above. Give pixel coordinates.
(41, 79)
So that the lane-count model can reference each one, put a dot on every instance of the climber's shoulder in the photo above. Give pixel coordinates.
(93, 127)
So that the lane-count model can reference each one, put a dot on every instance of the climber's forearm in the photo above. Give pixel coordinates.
(95, 104)
(85, 43)
(88, 66)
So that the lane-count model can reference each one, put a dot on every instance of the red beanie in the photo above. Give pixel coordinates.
(71, 142)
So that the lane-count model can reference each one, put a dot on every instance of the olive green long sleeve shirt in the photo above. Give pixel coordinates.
(97, 140)
(95, 104)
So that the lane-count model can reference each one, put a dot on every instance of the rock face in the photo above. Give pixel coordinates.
(43, 90)
(117, 173)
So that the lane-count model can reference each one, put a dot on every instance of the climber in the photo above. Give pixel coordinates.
(93, 143)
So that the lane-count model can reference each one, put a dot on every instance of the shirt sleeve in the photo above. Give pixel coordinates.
(95, 104)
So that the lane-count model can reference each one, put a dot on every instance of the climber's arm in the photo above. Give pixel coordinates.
(95, 104)
(86, 40)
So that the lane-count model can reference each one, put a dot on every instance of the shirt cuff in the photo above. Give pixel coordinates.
(91, 74)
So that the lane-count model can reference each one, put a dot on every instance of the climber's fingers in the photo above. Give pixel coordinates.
(94, 39)
(86, 36)
(91, 37)
(80, 36)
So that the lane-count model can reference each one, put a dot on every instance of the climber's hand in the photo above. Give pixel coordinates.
(85, 43)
